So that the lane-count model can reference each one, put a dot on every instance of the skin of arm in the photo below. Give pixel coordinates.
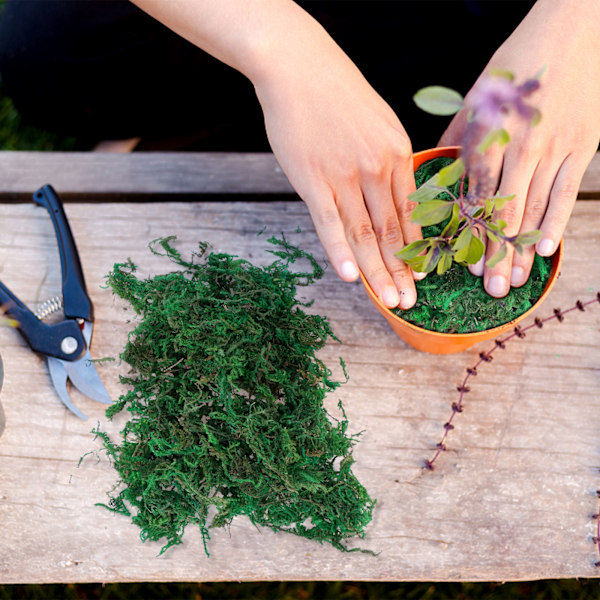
(342, 147)
(543, 165)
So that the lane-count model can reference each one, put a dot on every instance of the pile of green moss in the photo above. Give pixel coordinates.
(456, 301)
(226, 402)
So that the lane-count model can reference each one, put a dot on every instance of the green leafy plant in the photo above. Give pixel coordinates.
(469, 211)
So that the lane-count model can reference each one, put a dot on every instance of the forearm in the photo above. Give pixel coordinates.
(256, 37)
(341, 146)
(573, 26)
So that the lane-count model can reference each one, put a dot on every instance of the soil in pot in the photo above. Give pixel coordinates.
(456, 301)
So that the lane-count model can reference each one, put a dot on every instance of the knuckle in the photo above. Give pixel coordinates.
(389, 233)
(400, 272)
(536, 207)
(346, 174)
(529, 150)
(345, 170)
(372, 166)
(404, 208)
(566, 192)
(401, 147)
(328, 217)
(511, 213)
(361, 233)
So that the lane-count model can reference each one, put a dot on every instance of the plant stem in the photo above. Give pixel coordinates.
(519, 332)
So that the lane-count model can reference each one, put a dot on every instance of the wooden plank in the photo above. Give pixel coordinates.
(512, 498)
(590, 184)
(90, 176)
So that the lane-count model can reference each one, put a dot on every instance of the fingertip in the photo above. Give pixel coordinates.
(417, 276)
(545, 247)
(497, 286)
(408, 297)
(390, 297)
(348, 271)
(518, 277)
(478, 267)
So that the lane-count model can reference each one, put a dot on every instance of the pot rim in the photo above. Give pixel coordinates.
(418, 159)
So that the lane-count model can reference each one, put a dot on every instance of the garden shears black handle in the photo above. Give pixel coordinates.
(76, 302)
(65, 344)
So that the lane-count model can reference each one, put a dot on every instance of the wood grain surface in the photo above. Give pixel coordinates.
(152, 175)
(511, 499)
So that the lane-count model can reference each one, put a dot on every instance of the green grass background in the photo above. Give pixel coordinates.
(17, 135)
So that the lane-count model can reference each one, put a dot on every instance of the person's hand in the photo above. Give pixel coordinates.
(341, 146)
(347, 155)
(543, 165)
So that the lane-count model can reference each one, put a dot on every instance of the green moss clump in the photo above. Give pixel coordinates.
(226, 401)
(456, 302)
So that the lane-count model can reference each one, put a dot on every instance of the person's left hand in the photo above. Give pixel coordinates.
(543, 165)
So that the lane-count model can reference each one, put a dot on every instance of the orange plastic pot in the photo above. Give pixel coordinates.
(448, 343)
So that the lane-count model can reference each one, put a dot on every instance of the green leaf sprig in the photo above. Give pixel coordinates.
(469, 213)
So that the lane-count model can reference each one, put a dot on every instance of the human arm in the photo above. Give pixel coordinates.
(341, 146)
(543, 165)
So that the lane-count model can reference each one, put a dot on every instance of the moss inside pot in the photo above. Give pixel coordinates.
(456, 301)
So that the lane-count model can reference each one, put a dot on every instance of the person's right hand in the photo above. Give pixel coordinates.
(348, 157)
(341, 146)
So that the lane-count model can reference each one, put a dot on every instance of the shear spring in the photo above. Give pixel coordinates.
(49, 307)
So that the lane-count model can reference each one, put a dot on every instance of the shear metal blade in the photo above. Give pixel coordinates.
(83, 375)
(58, 374)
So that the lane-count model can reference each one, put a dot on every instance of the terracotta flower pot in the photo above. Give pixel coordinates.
(448, 343)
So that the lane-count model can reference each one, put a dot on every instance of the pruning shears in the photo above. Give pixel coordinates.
(66, 344)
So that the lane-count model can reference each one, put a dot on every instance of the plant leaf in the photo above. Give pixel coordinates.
(463, 239)
(427, 191)
(496, 258)
(431, 260)
(497, 135)
(453, 224)
(492, 236)
(432, 212)
(438, 100)
(536, 118)
(500, 201)
(444, 263)
(502, 73)
(413, 249)
(451, 173)
(529, 237)
(489, 208)
(471, 252)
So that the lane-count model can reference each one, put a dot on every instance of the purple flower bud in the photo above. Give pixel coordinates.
(495, 96)
(491, 100)
(489, 103)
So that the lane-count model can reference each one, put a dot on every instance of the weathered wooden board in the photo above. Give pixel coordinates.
(512, 498)
(91, 175)
(98, 175)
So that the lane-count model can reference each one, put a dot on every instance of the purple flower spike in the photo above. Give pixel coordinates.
(495, 96)
(491, 100)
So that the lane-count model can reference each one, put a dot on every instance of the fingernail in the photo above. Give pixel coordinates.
(407, 298)
(418, 276)
(478, 267)
(545, 247)
(517, 276)
(390, 297)
(349, 270)
(497, 286)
